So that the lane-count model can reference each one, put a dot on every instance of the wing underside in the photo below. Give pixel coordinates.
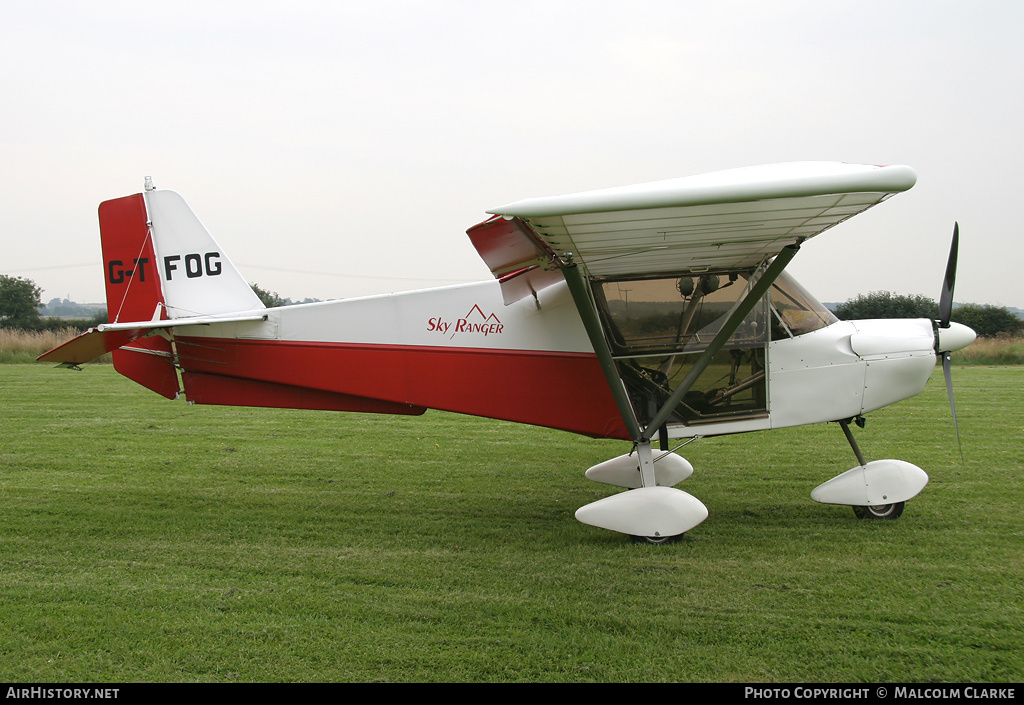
(730, 219)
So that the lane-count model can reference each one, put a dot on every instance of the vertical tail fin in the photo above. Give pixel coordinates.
(197, 279)
(161, 263)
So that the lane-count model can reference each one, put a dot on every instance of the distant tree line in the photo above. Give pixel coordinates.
(19, 299)
(66, 308)
(20, 304)
(271, 299)
(986, 320)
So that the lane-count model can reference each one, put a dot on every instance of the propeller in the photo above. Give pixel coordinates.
(946, 298)
(956, 336)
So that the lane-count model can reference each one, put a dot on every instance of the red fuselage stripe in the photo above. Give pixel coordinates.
(555, 389)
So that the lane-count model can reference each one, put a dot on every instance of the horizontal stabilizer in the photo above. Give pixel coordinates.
(90, 345)
(107, 337)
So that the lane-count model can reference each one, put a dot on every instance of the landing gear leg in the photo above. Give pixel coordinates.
(845, 423)
(646, 457)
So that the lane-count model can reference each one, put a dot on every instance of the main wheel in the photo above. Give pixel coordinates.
(880, 511)
(657, 539)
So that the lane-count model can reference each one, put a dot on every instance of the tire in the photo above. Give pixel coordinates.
(657, 540)
(880, 511)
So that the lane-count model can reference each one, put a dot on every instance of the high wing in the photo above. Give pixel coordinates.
(726, 219)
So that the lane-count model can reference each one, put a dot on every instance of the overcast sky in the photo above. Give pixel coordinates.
(338, 149)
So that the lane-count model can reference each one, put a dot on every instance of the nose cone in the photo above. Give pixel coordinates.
(955, 337)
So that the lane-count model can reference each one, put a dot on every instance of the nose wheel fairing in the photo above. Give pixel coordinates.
(878, 483)
(875, 490)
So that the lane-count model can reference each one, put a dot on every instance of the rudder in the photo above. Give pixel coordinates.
(134, 293)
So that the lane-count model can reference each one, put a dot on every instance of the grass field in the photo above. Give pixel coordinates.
(147, 540)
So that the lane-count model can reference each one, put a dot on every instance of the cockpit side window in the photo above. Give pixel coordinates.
(676, 314)
(656, 326)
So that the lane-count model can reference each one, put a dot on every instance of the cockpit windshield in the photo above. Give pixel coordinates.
(795, 311)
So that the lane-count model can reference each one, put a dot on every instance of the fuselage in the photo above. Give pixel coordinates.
(461, 349)
(455, 348)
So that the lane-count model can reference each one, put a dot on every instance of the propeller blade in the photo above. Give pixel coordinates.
(947, 371)
(946, 298)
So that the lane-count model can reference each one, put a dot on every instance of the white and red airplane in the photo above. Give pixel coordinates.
(643, 313)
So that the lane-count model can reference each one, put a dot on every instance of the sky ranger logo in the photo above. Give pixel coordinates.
(476, 322)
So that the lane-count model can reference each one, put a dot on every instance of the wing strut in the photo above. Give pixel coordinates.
(735, 319)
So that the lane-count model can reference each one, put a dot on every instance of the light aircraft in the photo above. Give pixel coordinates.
(645, 313)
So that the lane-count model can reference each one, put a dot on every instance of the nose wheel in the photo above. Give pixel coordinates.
(880, 511)
(657, 540)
